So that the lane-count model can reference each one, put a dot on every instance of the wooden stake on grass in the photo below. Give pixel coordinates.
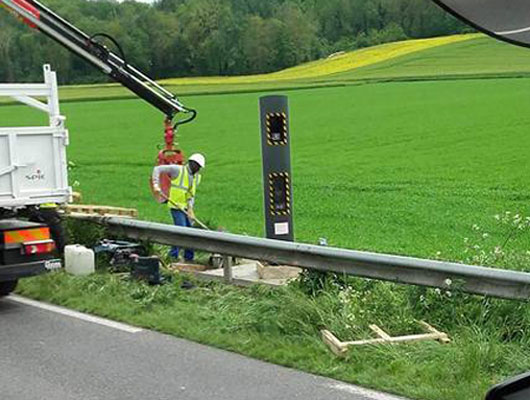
(340, 348)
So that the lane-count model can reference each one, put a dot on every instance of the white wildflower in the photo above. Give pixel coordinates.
(448, 282)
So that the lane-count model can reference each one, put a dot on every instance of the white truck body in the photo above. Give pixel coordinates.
(33, 164)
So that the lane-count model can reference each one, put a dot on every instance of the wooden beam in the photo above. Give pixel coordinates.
(379, 332)
(93, 210)
(333, 343)
(444, 339)
(398, 339)
(340, 348)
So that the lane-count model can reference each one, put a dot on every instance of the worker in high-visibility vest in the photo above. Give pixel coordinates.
(181, 200)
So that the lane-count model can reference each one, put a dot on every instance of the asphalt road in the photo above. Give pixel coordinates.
(47, 354)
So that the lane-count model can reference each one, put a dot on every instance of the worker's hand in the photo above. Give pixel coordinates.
(191, 213)
(157, 189)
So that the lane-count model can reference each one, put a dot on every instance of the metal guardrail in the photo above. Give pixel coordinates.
(406, 270)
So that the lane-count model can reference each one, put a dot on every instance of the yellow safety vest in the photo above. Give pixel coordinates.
(183, 188)
(48, 205)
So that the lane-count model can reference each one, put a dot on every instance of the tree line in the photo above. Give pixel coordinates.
(173, 38)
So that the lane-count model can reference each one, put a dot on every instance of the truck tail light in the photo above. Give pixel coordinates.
(40, 247)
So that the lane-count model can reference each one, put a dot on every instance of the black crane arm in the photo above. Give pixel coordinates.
(39, 17)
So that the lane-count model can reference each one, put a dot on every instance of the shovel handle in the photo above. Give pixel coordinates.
(184, 211)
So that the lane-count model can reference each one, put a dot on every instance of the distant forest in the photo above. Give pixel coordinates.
(174, 38)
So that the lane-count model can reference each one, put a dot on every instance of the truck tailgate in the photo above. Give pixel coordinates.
(32, 166)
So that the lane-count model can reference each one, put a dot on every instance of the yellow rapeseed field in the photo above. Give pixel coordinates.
(339, 63)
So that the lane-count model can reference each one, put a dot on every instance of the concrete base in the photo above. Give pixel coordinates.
(278, 272)
(247, 274)
(184, 267)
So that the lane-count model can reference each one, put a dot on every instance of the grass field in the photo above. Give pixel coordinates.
(422, 168)
(463, 56)
(314, 74)
(480, 57)
(398, 167)
(334, 64)
(460, 56)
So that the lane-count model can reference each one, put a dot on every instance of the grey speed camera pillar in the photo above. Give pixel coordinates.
(277, 179)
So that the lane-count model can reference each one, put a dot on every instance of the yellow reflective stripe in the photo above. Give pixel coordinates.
(26, 235)
(183, 188)
(178, 192)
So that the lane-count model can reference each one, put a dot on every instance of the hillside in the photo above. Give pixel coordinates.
(452, 57)
(315, 74)
(481, 56)
(335, 64)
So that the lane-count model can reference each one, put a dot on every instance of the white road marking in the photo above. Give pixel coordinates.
(515, 31)
(75, 314)
(364, 393)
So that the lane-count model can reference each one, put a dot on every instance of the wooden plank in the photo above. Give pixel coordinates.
(101, 210)
(444, 338)
(85, 215)
(340, 348)
(398, 339)
(379, 332)
(333, 343)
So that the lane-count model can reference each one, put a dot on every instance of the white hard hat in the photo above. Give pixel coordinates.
(199, 159)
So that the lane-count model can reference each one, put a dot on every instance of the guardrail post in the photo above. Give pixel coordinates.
(227, 269)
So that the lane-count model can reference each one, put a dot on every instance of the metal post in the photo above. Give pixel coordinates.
(227, 267)
(277, 178)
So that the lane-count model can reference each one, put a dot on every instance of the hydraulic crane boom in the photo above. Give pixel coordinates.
(39, 17)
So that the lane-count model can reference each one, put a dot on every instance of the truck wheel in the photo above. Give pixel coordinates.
(7, 287)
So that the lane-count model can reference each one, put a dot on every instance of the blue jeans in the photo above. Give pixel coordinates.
(181, 219)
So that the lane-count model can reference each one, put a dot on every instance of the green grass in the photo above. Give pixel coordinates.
(282, 326)
(402, 168)
(318, 73)
(480, 57)
(451, 57)
(339, 62)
